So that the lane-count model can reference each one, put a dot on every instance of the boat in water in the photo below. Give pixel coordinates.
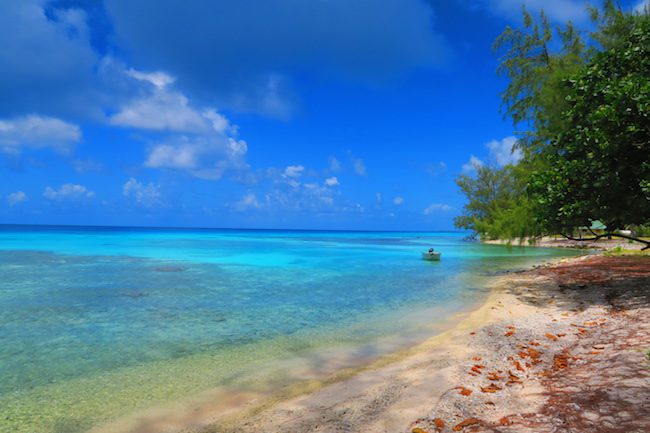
(431, 255)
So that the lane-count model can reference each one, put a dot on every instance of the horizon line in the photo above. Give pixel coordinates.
(99, 226)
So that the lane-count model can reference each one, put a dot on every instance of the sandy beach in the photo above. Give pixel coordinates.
(560, 242)
(392, 216)
(558, 348)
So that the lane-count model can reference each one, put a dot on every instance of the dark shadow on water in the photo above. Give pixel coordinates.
(169, 268)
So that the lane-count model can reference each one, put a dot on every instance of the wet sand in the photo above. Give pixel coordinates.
(559, 348)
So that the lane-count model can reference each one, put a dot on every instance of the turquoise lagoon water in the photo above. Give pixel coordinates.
(96, 323)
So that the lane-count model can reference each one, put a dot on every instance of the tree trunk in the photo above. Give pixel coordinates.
(609, 236)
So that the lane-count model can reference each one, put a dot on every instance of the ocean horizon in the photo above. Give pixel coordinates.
(98, 323)
(203, 228)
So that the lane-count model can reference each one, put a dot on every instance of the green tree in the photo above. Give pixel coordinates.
(598, 166)
(584, 111)
(613, 25)
(497, 206)
(534, 96)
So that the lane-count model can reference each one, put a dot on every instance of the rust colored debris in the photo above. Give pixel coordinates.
(466, 423)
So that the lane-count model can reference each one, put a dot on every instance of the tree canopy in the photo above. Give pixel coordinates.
(497, 207)
(586, 110)
(599, 163)
(533, 96)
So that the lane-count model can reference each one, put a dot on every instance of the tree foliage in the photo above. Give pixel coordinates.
(599, 164)
(585, 109)
(613, 25)
(497, 207)
(533, 97)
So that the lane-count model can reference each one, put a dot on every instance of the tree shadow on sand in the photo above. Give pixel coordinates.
(617, 283)
(608, 390)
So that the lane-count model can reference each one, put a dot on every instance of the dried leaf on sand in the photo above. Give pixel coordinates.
(466, 423)
(491, 388)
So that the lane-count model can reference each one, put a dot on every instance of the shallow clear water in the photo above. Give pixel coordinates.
(98, 322)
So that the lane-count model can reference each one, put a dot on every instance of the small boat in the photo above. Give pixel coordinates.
(431, 255)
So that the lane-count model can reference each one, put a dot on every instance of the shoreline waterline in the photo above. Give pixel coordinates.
(201, 411)
(450, 342)
(435, 360)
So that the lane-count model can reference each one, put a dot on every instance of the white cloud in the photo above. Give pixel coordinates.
(295, 196)
(378, 199)
(157, 78)
(61, 58)
(218, 121)
(248, 201)
(436, 169)
(161, 111)
(396, 36)
(436, 207)
(294, 171)
(205, 157)
(86, 166)
(331, 181)
(504, 151)
(164, 109)
(398, 201)
(37, 132)
(145, 195)
(16, 197)
(556, 10)
(472, 165)
(181, 156)
(334, 164)
(293, 183)
(68, 191)
(201, 142)
(273, 100)
(359, 167)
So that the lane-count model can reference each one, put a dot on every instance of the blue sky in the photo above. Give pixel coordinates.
(330, 114)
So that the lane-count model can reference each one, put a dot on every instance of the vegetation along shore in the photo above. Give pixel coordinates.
(581, 101)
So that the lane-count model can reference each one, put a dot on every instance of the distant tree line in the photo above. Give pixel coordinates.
(580, 102)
